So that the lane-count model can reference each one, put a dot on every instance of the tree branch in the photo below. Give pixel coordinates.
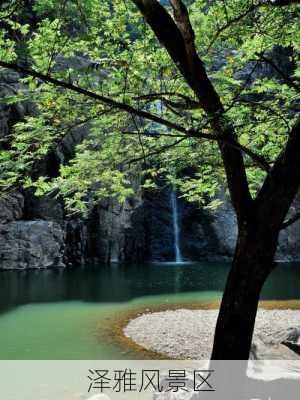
(233, 21)
(152, 134)
(247, 12)
(285, 77)
(159, 151)
(168, 94)
(178, 39)
(143, 114)
(282, 183)
(105, 100)
(187, 103)
(260, 161)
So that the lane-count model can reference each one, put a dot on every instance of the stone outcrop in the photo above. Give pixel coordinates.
(9, 114)
(139, 230)
(31, 244)
(116, 232)
(203, 235)
(75, 242)
(206, 235)
(11, 207)
(45, 207)
(209, 234)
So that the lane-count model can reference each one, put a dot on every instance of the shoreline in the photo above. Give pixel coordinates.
(188, 334)
(114, 330)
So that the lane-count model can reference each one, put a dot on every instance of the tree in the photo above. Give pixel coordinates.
(259, 219)
(252, 120)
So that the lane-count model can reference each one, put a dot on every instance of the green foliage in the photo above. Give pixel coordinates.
(115, 54)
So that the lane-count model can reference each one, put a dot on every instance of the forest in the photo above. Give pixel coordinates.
(123, 102)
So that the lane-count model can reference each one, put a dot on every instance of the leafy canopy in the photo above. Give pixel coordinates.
(106, 47)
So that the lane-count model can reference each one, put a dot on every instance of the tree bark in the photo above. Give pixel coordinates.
(259, 220)
(177, 36)
(255, 252)
(252, 264)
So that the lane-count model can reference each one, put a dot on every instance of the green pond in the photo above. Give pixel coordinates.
(60, 314)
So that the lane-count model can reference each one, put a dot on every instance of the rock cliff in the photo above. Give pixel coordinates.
(35, 232)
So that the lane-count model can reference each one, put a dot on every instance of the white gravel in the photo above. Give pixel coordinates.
(189, 333)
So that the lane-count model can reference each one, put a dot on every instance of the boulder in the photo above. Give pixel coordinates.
(291, 338)
(262, 349)
(31, 244)
(283, 344)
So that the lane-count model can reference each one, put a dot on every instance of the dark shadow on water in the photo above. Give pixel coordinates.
(118, 283)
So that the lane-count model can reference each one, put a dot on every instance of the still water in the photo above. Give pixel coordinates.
(59, 314)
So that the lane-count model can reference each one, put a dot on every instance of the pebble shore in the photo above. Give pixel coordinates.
(188, 334)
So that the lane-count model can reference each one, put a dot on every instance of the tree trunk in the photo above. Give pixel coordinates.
(253, 262)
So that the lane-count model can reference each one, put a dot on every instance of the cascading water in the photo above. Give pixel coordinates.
(176, 228)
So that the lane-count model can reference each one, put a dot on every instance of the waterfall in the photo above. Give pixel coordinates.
(176, 228)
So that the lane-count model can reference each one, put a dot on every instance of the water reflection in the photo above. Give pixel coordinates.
(99, 283)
